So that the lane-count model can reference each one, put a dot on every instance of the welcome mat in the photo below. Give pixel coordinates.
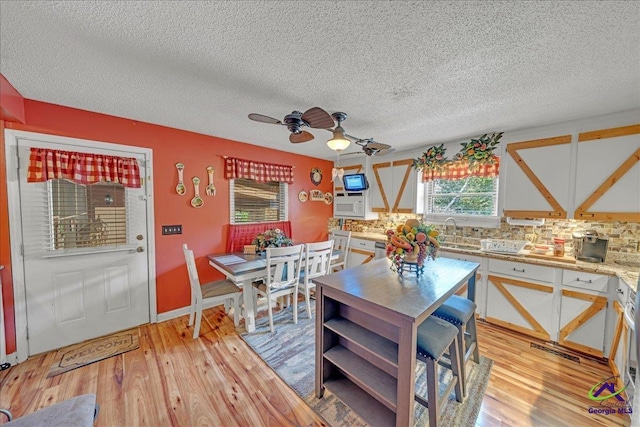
(87, 352)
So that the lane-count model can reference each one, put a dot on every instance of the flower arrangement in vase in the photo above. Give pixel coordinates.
(272, 238)
(412, 243)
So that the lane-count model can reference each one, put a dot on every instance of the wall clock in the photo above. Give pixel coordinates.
(316, 176)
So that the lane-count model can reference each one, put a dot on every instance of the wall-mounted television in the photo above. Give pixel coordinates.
(355, 182)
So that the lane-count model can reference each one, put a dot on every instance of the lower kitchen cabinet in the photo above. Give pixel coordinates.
(361, 251)
(583, 311)
(520, 297)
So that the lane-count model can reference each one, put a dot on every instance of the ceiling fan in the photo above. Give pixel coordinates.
(314, 117)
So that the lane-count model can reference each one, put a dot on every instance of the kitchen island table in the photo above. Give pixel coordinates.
(366, 329)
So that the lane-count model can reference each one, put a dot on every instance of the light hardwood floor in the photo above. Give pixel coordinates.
(217, 380)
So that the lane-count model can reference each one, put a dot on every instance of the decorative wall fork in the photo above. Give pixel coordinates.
(211, 189)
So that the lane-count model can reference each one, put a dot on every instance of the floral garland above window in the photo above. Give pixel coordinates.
(476, 152)
(479, 151)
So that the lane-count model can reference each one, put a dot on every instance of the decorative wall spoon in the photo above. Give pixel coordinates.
(180, 188)
(211, 189)
(197, 201)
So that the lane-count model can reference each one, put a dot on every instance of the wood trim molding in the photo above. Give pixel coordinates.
(538, 331)
(582, 211)
(383, 194)
(512, 149)
(408, 163)
(598, 303)
(616, 334)
(609, 133)
(363, 252)
(517, 328)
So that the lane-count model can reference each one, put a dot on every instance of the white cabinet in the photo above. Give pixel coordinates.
(537, 178)
(395, 187)
(608, 175)
(351, 165)
(573, 171)
(520, 297)
(362, 251)
(583, 303)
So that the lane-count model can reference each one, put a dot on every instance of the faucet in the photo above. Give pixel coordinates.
(455, 227)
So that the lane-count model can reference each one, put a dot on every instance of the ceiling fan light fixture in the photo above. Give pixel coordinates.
(338, 142)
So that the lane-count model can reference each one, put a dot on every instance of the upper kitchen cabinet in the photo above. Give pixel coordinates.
(608, 174)
(395, 187)
(537, 178)
(351, 165)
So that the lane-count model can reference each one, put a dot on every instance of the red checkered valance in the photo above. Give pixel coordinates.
(258, 171)
(461, 169)
(82, 168)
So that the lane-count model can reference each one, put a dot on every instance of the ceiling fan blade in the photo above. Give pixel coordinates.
(385, 151)
(318, 118)
(303, 136)
(264, 119)
(377, 146)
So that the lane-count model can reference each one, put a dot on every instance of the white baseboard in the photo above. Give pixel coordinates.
(12, 359)
(168, 315)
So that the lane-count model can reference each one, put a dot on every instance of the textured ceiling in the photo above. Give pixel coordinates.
(407, 73)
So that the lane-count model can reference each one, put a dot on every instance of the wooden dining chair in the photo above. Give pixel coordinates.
(341, 242)
(283, 274)
(215, 293)
(316, 263)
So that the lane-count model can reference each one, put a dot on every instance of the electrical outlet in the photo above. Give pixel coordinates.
(171, 229)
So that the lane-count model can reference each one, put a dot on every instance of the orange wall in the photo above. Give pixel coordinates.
(204, 229)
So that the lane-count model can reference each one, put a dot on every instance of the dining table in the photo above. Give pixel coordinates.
(367, 319)
(245, 269)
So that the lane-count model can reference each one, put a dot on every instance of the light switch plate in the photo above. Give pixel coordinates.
(171, 229)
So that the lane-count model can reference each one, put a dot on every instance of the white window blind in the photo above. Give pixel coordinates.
(78, 216)
(251, 201)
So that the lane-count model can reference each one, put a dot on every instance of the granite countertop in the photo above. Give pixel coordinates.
(627, 274)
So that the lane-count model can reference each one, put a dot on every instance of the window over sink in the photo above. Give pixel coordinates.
(471, 201)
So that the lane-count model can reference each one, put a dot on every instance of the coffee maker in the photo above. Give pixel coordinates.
(589, 246)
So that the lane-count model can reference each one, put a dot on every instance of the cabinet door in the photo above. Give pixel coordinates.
(538, 178)
(608, 173)
(582, 321)
(520, 304)
(403, 186)
(361, 252)
(381, 187)
(618, 355)
(350, 165)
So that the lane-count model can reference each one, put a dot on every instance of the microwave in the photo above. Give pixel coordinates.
(352, 205)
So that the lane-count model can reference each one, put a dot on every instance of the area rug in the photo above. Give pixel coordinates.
(91, 351)
(290, 352)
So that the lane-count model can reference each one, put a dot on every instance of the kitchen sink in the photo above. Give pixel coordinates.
(635, 264)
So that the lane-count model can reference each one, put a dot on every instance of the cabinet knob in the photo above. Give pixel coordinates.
(584, 281)
(517, 269)
(620, 291)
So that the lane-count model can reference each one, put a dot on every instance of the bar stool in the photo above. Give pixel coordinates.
(460, 312)
(434, 337)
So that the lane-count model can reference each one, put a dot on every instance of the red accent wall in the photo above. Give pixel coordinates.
(11, 102)
(204, 229)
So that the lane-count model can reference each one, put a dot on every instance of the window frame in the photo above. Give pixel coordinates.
(283, 202)
(484, 221)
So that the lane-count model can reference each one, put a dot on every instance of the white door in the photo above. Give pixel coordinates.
(86, 273)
